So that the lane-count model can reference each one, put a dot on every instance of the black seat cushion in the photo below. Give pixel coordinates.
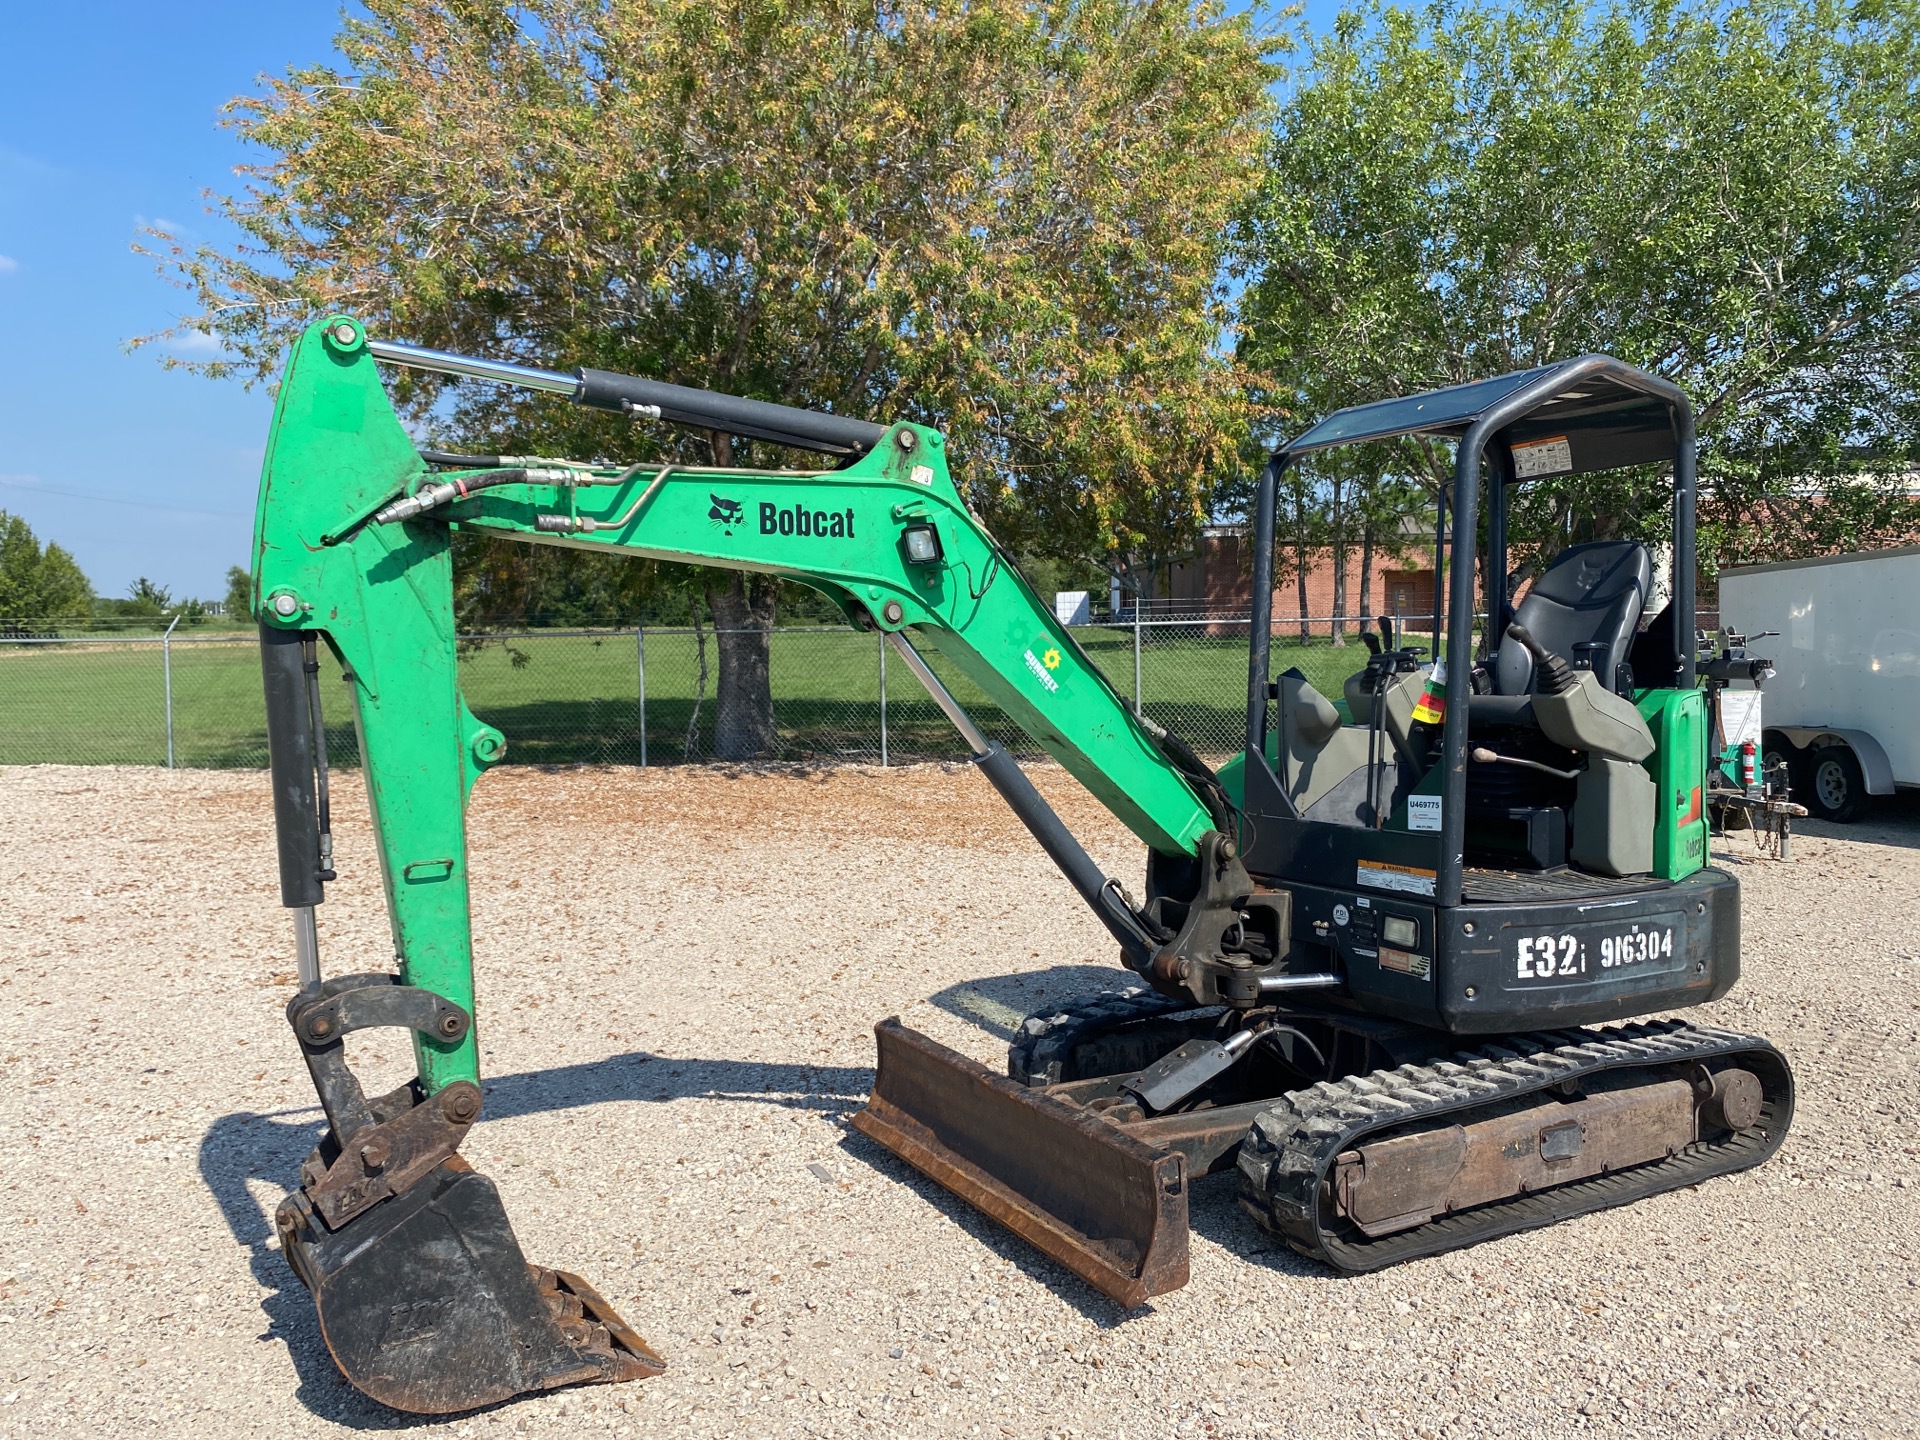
(1591, 592)
(1652, 656)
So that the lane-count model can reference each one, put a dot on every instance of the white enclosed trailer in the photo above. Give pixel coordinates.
(1843, 708)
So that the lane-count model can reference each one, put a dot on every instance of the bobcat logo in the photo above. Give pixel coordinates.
(724, 512)
(415, 1320)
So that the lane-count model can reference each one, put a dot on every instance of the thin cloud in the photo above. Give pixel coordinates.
(20, 479)
(178, 229)
(8, 265)
(195, 342)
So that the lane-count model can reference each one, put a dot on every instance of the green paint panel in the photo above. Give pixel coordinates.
(1678, 719)
(382, 596)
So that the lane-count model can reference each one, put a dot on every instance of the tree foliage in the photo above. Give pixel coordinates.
(1728, 195)
(1003, 217)
(38, 582)
(239, 599)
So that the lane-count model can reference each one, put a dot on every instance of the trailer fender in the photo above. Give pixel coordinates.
(1875, 767)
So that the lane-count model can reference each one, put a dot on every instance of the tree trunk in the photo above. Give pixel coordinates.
(692, 742)
(1301, 559)
(1300, 581)
(742, 607)
(1366, 573)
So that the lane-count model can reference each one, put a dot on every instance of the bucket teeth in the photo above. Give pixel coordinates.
(631, 1357)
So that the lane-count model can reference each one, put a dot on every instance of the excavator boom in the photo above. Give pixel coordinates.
(424, 1298)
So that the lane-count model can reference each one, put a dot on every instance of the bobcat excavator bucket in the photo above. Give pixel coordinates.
(427, 1305)
(1110, 1208)
(424, 1298)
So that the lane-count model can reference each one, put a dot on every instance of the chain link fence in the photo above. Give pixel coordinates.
(621, 697)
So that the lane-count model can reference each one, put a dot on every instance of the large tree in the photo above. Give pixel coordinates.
(1003, 217)
(38, 582)
(1726, 194)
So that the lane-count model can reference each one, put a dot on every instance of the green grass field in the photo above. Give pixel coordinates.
(565, 698)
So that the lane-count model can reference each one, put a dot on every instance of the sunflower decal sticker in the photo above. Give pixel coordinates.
(1043, 668)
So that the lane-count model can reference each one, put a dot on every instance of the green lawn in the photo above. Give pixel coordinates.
(563, 697)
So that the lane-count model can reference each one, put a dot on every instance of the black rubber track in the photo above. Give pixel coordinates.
(1042, 1053)
(1290, 1149)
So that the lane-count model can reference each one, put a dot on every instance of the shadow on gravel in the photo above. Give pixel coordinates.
(247, 1145)
(1069, 1287)
(998, 1003)
(1890, 820)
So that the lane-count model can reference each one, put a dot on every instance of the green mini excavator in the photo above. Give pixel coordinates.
(1368, 957)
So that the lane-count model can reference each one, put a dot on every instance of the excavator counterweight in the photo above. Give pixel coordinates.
(1366, 969)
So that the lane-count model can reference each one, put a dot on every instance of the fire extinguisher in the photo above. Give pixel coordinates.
(1749, 764)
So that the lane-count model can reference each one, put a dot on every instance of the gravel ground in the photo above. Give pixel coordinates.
(679, 971)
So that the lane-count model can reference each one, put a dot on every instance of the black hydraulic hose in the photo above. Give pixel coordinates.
(1197, 773)
(462, 462)
(432, 497)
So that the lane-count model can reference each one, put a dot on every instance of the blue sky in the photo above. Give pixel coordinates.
(111, 115)
(110, 118)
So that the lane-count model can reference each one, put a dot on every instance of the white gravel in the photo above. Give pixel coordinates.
(679, 972)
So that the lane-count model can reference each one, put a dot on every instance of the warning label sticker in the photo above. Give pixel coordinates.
(1552, 456)
(1418, 966)
(1407, 879)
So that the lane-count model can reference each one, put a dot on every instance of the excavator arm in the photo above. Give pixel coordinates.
(423, 1296)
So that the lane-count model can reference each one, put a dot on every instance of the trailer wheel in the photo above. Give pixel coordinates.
(1835, 790)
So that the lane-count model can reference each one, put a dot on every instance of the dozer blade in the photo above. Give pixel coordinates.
(1108, 1207)
(428, 1305)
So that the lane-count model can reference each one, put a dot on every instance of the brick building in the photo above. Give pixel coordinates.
(1216, 580)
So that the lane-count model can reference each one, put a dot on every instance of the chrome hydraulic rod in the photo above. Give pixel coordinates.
(306, 947)
(418, 357)
(942, 696)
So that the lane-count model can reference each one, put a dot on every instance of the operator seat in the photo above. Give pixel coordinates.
(1585, 609)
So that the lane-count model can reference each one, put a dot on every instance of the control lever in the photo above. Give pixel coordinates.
(1556, 676)
(1483, 756)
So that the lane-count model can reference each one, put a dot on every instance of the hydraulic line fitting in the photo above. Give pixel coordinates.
(432, 497)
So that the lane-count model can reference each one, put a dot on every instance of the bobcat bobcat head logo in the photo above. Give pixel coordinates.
(724, 512)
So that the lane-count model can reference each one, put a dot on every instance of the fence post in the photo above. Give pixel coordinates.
(166, 681)
(1136, 654)
(882, 637)
(640, 659)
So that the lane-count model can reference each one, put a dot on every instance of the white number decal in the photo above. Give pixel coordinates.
(1549, 957)
(1563, 957)
(1635, 947)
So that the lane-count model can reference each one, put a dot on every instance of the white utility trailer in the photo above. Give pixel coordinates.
(1843, 708)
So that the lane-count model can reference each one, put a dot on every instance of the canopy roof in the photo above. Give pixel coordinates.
(1602, 414)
